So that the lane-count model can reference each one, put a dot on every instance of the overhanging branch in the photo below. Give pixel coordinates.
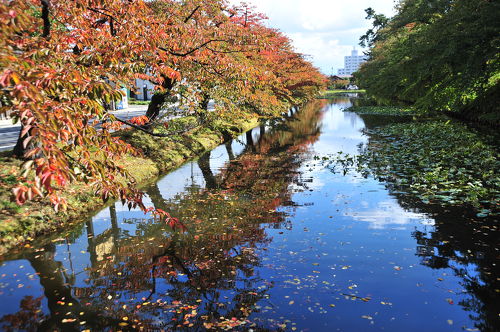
(191, 15)
(178, 132)
(192, 50)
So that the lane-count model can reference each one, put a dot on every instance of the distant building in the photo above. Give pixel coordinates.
(144, 90)
(352, 63)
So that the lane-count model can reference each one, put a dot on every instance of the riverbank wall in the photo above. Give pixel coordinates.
(160, 155)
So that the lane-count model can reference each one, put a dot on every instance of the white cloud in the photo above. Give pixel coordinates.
(388, 213)
(324, 50)
(325, 29)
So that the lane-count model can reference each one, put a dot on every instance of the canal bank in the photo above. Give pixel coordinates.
(22, 224)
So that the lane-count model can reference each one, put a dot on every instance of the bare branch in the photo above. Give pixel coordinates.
(191, 15)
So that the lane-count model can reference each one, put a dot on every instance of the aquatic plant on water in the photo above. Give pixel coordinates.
(436, 162)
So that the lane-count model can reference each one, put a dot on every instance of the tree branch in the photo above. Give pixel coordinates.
(192, 50)
(204, 65)
(178, 132)
(191, 15)
(111, 20)
(227, 52)
(46, 18)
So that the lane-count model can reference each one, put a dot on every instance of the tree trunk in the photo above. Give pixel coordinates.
(46, 18)
(155, 195)
(250, 142)
(229, 149)
(155, 105)
(204, 165)
(204, 107)
(159, 99)
(19, 149)
(204, 102)
(262, 130)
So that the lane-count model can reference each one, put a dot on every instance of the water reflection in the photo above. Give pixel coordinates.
(140, 274)
(275, 242)
(459, 242)
(469, 249)
(389, 213)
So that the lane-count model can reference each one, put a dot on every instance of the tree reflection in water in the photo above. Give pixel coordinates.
(157, 279)
(459, 240)
(468, 247)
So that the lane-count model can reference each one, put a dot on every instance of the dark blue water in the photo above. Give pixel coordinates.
(275, 241)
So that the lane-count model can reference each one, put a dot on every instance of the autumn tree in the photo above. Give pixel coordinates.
(63, 62)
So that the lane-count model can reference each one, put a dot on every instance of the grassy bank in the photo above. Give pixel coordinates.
(19, 224)
(335, 93)
(139, 102)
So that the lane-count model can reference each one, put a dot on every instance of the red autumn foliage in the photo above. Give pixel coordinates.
(60, 70)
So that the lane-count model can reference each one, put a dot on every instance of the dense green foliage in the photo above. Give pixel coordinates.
(437, 54)
(382, 110)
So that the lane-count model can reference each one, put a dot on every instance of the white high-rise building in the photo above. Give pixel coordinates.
(352, 63)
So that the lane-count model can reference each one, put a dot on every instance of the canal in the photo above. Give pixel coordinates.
(277, 239)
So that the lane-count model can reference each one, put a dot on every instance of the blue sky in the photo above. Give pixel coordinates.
(326, 30)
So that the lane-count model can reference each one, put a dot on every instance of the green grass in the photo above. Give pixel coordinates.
(335, 93)
(139, 102)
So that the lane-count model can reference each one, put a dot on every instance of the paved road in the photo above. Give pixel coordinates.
(8, 137)
(9, 132)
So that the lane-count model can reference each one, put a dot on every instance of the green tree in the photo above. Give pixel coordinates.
(437, 54)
